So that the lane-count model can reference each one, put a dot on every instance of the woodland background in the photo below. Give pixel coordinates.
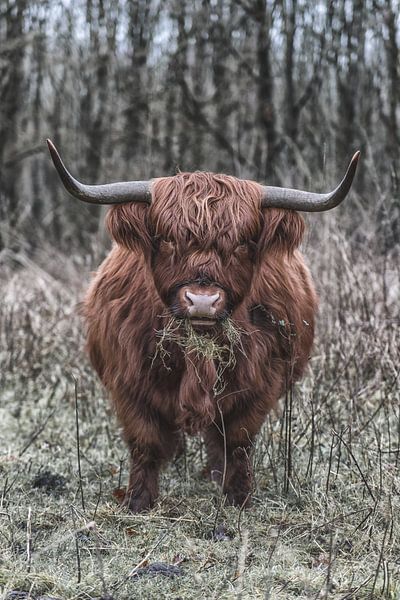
(281, 91)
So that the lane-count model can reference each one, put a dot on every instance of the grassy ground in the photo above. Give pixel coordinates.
(324, 523)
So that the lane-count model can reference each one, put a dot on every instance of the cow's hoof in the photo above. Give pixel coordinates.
(238, 498)
(138, 503)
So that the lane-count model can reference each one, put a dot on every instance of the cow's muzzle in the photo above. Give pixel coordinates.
(204, 305)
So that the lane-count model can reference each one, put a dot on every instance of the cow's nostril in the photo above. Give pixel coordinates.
(187, 296)
(216, 300)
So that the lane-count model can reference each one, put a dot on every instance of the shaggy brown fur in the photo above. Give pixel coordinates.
(202, 228)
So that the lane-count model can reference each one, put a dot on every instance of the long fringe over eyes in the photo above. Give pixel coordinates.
(201, 203)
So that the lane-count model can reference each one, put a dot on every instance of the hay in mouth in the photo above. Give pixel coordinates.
(210, 345)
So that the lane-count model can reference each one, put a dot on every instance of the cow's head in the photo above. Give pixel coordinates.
(202, 234)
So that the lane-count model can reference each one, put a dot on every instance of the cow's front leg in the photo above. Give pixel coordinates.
(150, 443)
(229, 448)
(143, 479)
(239, 475)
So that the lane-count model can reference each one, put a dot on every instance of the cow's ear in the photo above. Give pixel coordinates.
(283, 230)
(127, 224)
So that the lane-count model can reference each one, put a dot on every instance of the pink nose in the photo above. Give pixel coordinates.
(201, 305)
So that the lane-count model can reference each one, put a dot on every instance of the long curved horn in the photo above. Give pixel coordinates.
(275, 197)
(110, 193)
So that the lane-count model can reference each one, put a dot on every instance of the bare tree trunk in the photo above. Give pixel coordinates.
(199, 76)
(266, 118)
(11, 83)
(348, 77)
(181, 69)
(392, 58)
(291, 113)
(135, 89)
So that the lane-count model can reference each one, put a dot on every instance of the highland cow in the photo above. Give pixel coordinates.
(201, 316)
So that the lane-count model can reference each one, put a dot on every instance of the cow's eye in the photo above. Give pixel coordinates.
(167, 246)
